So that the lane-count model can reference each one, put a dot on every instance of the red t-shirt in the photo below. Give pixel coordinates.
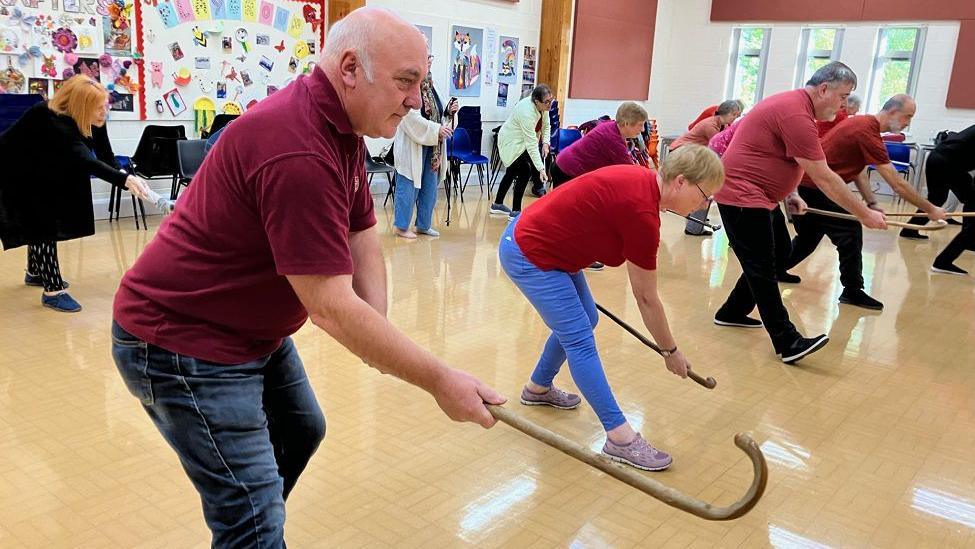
(278, 195)
(760, 167)
(706, 113)
(851, 146)
(825, 126)
(701, 134)
(610, 215)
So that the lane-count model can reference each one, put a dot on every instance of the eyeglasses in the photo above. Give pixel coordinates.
(547, 101)
(700, 190)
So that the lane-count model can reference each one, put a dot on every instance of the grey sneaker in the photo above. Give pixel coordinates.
(428, 232)
(556, 398)
(499, 209)
(639, 453)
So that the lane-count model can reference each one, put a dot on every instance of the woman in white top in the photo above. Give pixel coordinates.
(418, 153)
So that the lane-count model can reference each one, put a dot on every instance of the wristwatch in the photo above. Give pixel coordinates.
(667, 352)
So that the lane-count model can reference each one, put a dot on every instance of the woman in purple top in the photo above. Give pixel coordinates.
(604, 146)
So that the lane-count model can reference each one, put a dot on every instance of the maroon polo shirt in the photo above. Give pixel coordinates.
(851, 146)
(278, 195)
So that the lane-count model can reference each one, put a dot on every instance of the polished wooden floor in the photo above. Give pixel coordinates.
(870, 442)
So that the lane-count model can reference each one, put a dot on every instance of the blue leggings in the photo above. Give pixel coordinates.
(564, 302)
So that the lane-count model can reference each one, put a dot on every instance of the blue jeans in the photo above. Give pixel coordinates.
(243, 432)
(425, 198)
(566, 306)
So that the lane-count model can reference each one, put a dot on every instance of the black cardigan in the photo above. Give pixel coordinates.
(45, 178)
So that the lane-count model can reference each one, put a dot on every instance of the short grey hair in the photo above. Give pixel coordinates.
(540, 92)
(350, 34)
(833, 73)
(854, 100)
(729, 106)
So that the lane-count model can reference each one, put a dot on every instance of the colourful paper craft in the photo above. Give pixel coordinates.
(281, 19)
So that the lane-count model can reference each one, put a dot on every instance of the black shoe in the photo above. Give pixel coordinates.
(743, 322)
(859, 298)
(538, 193)
(596, 266)
(912, 234)
(703, 232)
(948, 268)
(802, 347)
(787, 278)
(953, 221)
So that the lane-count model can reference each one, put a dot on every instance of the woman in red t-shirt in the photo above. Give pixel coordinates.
(610, 215)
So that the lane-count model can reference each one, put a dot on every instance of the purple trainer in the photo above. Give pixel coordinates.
(556, 398)
(639, 453)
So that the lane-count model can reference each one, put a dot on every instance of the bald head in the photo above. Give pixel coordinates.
(897, 113)
(368, 33)
(900, 102)
(375, 61)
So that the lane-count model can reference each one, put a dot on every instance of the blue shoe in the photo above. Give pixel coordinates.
(35, 280)
(61, 302)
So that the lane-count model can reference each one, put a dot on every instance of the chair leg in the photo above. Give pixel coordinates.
(111, 202)
(118, 202)
(135, 212)
(142, 211)
(390, 189)
(480, 177)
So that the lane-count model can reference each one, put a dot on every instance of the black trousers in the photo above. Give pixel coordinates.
(942, 177)
(558, 176)
(846, 235)
(520, 172)
(42, 260)
(760, 240)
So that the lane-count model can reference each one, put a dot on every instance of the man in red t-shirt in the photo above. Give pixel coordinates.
(850, 147)
(772, 147)
(611, 215)
(278, 226)
(850, 109)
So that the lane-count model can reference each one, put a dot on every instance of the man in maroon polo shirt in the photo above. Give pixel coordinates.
(850, 147)
(278, 227)
(772, 147)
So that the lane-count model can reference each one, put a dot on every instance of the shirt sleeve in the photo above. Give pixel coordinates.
(641, 239)
(305, 208)
(801, 137)
(531, 141)
(363, 213)
(873, 149)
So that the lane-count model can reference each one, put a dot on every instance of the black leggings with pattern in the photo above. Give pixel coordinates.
(42, 261)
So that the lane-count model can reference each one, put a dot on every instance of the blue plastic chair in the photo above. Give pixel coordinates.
(567, 137)
(461, 151)
(900, 157)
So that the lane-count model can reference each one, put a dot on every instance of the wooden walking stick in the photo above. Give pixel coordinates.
(924, 214)
(936, 227)
(653, 488)
(708, 382)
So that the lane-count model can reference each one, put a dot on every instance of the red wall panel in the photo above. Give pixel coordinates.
(612, 48)
(918, 10)
(786, 10)
(961, 88)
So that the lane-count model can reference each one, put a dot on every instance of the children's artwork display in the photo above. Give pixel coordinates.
(508, 60)
(465, 61)
(528, 71)
(428, 34)
(158, 58)
(221, 55)
(47, 42)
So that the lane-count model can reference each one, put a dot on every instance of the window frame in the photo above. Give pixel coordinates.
(761, 54)
(913, 57)
(805, 54)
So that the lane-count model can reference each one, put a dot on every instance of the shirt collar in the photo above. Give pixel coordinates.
(326, 101)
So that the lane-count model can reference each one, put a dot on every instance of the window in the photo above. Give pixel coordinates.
(896, 63)
(817, 47)
(746, 68)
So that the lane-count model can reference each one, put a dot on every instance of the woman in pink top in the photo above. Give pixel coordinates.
(604, 146)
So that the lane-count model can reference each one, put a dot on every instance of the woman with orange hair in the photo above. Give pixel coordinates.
(50, 154)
